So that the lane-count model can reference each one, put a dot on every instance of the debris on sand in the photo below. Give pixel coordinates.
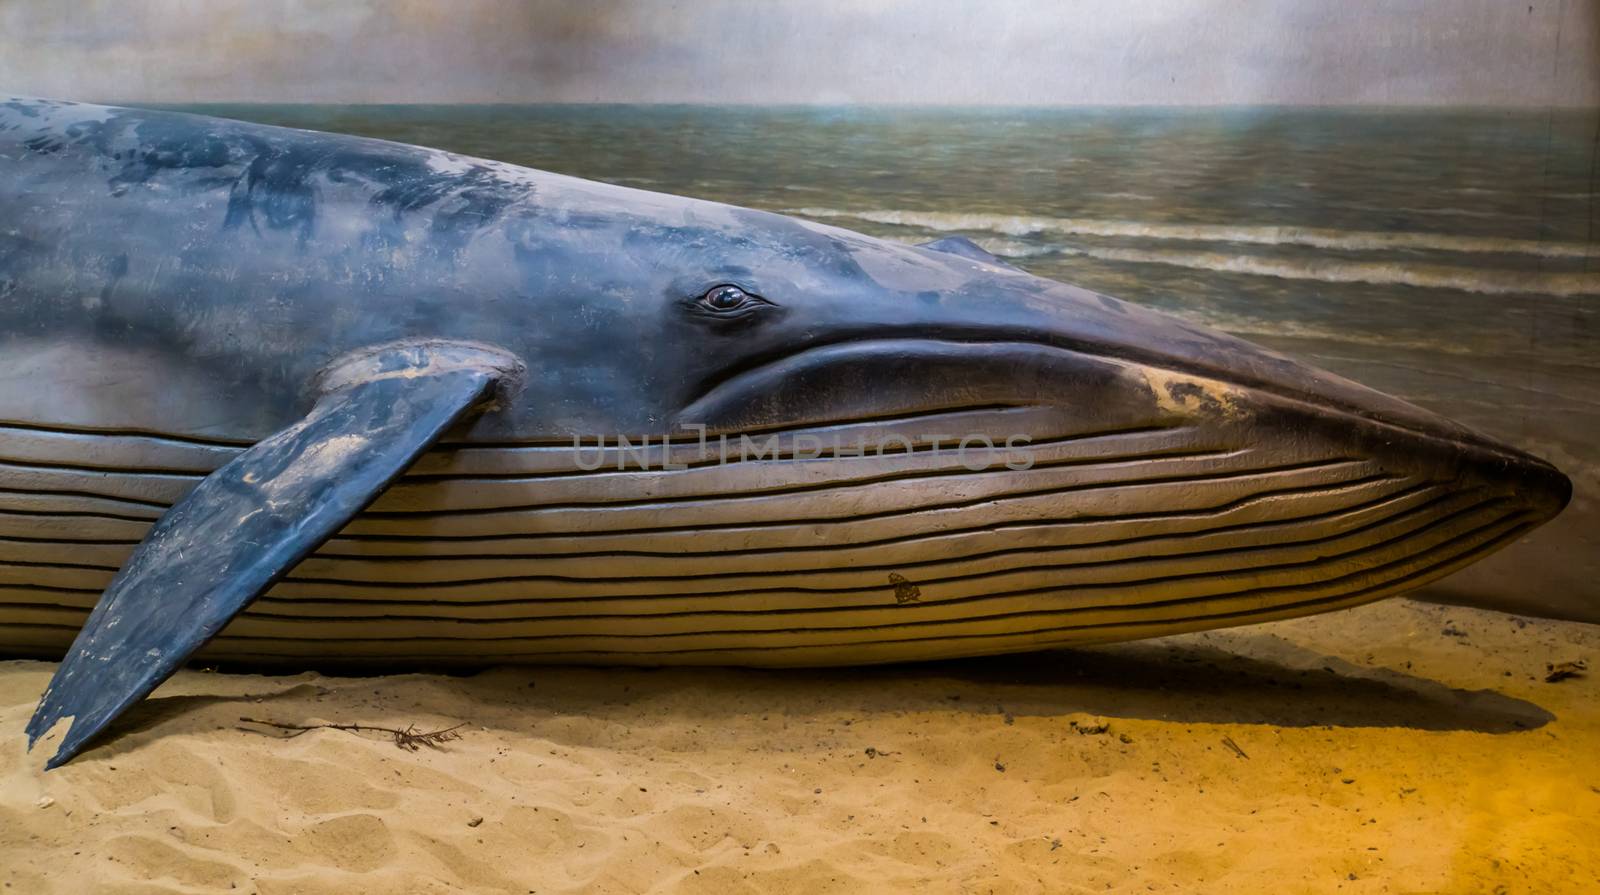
(410, 739)
(1560, 671)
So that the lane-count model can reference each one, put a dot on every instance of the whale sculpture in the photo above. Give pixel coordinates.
(296, 396)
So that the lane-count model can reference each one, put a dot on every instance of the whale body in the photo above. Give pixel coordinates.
(290, 396)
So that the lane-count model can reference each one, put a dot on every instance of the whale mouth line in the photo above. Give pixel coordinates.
(731, 379)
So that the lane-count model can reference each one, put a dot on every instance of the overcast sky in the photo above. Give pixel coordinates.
(1037, 52)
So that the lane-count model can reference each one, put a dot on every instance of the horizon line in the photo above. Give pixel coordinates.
(1361, 106)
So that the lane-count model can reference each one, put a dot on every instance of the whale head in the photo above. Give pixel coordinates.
(972, 430)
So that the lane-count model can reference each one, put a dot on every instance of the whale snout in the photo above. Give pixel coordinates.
(1503, 491)
(1460, 495)
(1531, 485)
(1278, 403)
(1545, 489)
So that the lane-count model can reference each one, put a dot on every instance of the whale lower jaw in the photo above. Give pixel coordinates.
(538, 553)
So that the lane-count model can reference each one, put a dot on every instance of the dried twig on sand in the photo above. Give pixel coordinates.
(411, 739)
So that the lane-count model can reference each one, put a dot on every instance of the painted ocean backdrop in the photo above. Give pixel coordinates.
(1444, 256)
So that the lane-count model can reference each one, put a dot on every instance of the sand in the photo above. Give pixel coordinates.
(1401, 747)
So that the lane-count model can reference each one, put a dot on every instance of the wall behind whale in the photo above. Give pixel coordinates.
(1402, 192)
(942, 52)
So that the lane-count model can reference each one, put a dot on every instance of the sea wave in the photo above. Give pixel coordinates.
(1259, 327)
(1431, 276)
(1247, 234)
(1013, 248)
(1132, 197)
(1427, 276)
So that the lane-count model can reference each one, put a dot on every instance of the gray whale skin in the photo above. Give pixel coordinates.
(325, 391)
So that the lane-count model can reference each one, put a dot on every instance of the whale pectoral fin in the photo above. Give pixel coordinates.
(247, 524)
(966, 248)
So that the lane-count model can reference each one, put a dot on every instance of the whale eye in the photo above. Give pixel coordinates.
(729, 299)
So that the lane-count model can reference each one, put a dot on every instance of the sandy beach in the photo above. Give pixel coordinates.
(1401, 747)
